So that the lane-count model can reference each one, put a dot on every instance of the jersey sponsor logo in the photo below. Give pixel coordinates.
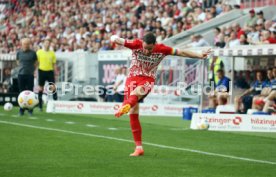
(145, 65)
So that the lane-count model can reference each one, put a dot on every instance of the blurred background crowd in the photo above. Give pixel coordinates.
(89, 25)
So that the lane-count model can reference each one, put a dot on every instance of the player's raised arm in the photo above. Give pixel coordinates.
(117, 40)
(191, 54)
(131, 44)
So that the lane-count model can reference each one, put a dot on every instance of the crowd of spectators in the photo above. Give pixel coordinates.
(256, 31)
(86, 25)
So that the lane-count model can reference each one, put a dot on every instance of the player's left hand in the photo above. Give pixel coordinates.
(205, 53)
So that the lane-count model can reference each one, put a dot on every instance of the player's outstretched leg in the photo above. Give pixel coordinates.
(133, 99)
(136, 131)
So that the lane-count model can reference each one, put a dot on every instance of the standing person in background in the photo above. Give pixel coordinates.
(26, 60)
(46, 67)
(215, 64)
(119, 85)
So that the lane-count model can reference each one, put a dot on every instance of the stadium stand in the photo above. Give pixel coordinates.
(88, 26)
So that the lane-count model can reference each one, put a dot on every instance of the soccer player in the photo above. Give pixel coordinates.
(46, 67)
(146, 56)
(26, 60)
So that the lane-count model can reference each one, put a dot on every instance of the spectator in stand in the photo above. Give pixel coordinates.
(252, 34)
(217, 32)
(268, 24)
(264, 39)
(232, 41)
(198, 41)
(199, 14)
(253, 18)
(260, 16)
(221, 43)
(272, 38)
(213, 11)
(237, 29)
(243, 39)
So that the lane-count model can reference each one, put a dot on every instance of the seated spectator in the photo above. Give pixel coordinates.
(198, 41)
(253, 18)
(220, 43)
(220, 95)
(264, 39)
(217, 32)
(260, 16)
(199, 14)
(237, 29)
(243, 39)
(245, 99)
(272, 38)
(253, 35)
(232, 41)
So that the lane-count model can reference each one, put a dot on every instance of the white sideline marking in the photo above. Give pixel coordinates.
(179, 129)
(146, 143)
(112, 128)
(50, 120)
(32, 118)
(70, 122)
(91, 125)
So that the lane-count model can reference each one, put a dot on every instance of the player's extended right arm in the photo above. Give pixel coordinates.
(188, 53)
(117, 40)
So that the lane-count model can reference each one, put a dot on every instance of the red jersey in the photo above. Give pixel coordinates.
(146, 65)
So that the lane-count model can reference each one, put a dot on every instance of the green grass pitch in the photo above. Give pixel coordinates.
(60, 145)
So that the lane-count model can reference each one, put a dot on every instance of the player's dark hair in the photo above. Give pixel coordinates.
(220, 71)
(149, 38)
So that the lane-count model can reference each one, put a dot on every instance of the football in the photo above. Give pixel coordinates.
(27, 99)
(203, 124)
(8, 106)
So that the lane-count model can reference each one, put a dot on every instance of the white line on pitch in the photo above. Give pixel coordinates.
(32, 118)
(50, 120)
(145, 143)
(91, 125)
(179, 129)
(112, 128)
(69, 122)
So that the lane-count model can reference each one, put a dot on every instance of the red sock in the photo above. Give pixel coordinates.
(132, 100)
(136, 129)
